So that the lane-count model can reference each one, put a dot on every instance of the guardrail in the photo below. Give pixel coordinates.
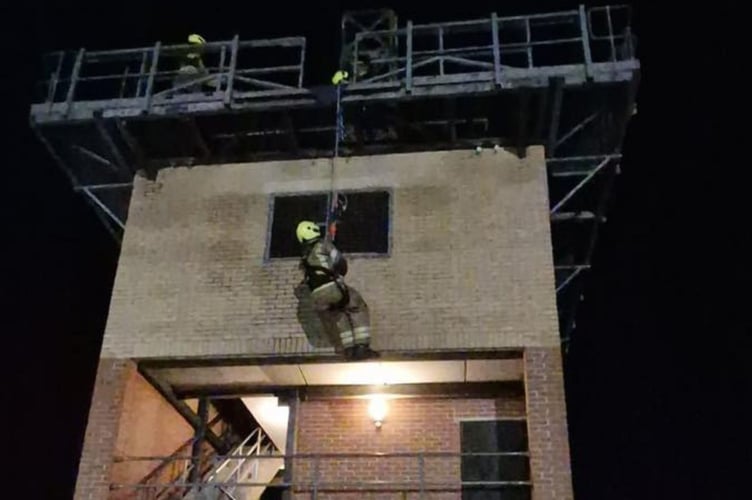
(227, 70)
(418, 473)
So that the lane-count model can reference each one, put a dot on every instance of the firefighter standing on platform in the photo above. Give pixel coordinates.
(192, 65)
(340, 308)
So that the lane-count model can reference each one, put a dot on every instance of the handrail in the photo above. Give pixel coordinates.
(406, 454)
(186, 445)
(496, 54)
(121, 74)
(417, 477)
(314, 478)
(238, 448)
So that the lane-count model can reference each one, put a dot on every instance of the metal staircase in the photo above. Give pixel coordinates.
(243, 465)
(253, 461)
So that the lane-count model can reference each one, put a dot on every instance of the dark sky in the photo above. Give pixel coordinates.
(658, 384)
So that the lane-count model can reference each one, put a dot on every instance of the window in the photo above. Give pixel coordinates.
(362, 229)
(494, 436)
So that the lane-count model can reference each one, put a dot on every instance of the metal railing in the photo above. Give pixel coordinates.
(420, 473)
(171, 471)
(495, 44)
(171, 479)
(253, 446)
(231, 69)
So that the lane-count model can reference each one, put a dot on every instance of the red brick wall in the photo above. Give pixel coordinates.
(149, 426)
(411, 425)
(547, 425)
(101, 432)
(127, 417)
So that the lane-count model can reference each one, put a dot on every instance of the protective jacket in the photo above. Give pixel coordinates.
(323, 263)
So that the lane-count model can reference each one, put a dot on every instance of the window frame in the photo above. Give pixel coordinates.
(358, 255)
(524, 419)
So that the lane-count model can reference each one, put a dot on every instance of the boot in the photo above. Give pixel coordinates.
(350, 353)
(364, 351)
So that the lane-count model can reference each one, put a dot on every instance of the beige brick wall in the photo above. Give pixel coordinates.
(470, 263)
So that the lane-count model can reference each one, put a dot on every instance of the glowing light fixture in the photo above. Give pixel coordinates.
(377, 408)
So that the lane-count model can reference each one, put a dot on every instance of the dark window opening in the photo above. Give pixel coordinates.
(362, 229)
(481, 472)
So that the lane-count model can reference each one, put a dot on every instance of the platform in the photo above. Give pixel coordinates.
(566, 80)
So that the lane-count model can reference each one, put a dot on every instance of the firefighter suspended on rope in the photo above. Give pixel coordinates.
(340, 307)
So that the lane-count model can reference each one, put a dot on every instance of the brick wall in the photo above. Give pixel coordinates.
(411, 425)
(547, 424)
(470, 266)
(127, 417)
(149, 426)
(101, 431)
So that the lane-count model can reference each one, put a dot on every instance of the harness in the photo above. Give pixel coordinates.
(310, 269)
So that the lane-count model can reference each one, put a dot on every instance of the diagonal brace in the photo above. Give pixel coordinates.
(103, 207)
(574, 130)
(580, 184)
(569, 278)
(94, 156)
(184, 410)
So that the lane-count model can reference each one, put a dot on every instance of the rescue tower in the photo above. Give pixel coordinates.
(477, 157)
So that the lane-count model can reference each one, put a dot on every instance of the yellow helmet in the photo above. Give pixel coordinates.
(196, 39)
(340, 76)
(307, 231)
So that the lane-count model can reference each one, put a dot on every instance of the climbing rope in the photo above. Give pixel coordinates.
(338, 200)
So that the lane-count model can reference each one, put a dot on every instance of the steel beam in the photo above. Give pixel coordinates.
(105, 219)
(103, 207)
(184, 410)
(152, 74)
(557, 89)
(74, 80)
(449, 389)
(94, 156)
(473, 84)
(114, 150)
(54, 79)
(584, 33)
(198, 138)
(407, 355)
(569, 278)
(522, 123)
(131, 141)
(53, 153)
(100, 187)
(293, 403)
(496, 50)
(231, 73)
(409, 54)
(580, 184)
(292, 138)
(198, 439)
(574, 130)
(576, 216)
(540, 120)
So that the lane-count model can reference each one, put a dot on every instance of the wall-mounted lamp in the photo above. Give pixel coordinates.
(377, 409)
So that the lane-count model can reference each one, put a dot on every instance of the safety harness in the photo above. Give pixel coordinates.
(310, 269)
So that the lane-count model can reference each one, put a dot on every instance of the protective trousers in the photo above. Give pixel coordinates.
(351, 320)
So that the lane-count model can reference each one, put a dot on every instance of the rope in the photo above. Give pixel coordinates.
(339, 134)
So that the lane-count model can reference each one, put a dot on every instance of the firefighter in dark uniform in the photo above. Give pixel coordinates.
(340, 307)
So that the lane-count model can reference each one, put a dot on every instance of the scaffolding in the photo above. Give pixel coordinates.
(566, 80)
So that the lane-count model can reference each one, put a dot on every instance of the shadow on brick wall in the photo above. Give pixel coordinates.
(313, 328)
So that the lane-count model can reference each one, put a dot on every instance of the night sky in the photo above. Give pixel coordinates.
(658, 387)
